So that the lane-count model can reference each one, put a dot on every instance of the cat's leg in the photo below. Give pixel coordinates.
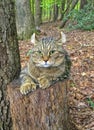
(27, 85)
(44, 82)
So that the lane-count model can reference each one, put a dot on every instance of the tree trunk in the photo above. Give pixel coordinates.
(74, 3)
(55, 12)
(9, 58)
(62, 8)
(24, 19)
(92, 3)
(42, 109)
(38, 13)
(83, 3)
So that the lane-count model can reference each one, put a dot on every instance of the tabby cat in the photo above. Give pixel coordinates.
(48, 63)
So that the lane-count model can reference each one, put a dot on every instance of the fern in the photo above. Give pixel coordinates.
(82, 19)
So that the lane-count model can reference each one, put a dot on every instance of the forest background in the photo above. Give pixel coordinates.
(79, 13)
(49, 18)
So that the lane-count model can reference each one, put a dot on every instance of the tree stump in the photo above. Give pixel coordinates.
(40, 110)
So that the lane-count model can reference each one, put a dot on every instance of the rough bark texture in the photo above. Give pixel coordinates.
(40, 110)
(9, 58)
(38, 13)
(24, 19)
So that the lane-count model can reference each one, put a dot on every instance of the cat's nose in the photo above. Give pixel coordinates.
(46, 58)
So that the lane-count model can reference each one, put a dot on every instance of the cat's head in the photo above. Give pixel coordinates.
(48, 52)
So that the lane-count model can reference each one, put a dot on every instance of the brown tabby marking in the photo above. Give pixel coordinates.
(48, 63)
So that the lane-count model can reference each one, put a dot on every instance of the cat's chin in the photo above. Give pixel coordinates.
(47, 65)
(44, 65)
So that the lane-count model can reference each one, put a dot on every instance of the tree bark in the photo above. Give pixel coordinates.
(38, 13)
(42, 109)
(55, 12)
(62, 8)
(24, 19)
(74, 3)
(83, 3)
(9, 58)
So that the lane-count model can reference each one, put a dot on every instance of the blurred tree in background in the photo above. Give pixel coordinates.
(24, 19)
(29, 19)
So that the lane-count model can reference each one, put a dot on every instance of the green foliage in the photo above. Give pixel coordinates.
(47, 7)
(82, 19)
(90, 102)
(72, 84)
(45, 4)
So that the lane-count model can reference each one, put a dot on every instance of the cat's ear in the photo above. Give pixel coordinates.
(33, 39)
(63, 37)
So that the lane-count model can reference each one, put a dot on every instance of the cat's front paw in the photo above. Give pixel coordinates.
(27, 87)
(43, 83)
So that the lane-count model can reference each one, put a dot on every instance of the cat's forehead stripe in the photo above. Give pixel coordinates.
(47, 42)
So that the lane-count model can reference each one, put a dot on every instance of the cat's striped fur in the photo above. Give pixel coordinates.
(48, 63)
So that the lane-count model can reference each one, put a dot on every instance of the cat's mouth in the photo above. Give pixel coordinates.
(44, 64)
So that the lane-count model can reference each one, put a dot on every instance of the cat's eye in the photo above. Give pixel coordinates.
(52, 51)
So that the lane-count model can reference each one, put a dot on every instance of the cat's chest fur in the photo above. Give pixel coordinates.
(48, 62)
(49, 72)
